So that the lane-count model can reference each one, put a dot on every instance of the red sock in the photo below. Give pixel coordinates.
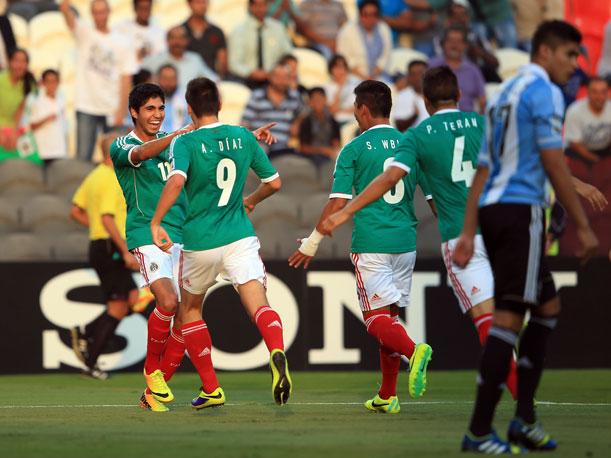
(199, 346)
(482, 324)
(158, 330)
(173, 354)
(270, 327)
(389, 364)
(390, 333)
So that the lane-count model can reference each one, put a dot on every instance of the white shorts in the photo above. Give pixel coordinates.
(474, 284)
(383, 279)
(156, 263)
(239, 262)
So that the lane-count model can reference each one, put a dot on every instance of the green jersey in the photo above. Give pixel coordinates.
(445, 147)
(215, 160)
(142, 185)
(387, 225)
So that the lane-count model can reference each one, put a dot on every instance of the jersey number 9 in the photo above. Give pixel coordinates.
(225, 180)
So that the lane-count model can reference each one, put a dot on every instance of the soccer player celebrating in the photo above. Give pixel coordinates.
(383, 242)
(212, 164)
(522, 149)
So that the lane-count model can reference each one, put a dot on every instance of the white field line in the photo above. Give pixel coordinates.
(95, 406)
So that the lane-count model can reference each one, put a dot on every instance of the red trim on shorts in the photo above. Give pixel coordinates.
(140, 258)
(360, 285)
(454, 279)
(180, 261)
(264, 272)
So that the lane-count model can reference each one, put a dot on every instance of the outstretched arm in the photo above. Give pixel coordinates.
(66, 9)
(170, 193)
(154, 148)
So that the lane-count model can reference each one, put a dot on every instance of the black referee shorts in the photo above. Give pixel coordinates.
(115, 279)
(514, 235)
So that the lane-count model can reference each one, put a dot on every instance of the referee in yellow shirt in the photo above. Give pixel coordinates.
(99, 204)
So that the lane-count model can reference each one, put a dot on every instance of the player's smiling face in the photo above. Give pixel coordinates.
(150, 116)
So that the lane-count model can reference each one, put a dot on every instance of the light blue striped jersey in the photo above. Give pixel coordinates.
(522, 119)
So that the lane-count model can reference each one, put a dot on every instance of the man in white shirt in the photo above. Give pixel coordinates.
(409, 107)
(176, 110)
(105, 64)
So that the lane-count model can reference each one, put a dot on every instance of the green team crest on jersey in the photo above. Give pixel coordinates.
(142, 185)
(445, 148)
(387, 225)
(216, 159)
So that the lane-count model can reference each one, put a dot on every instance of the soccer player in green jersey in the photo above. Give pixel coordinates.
(212, 164)
(383, 248)
(445, 148)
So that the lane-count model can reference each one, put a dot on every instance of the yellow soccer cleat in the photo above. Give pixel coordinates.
(377, 404)
(417, 369)
(158, 386)
(148, 402)
(205, 400)
(282, 386)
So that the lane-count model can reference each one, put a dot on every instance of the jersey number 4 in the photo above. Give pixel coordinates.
(395, 195)
(225, 180)
(461, 170)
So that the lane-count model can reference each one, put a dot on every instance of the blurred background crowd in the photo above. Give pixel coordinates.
(66, 69)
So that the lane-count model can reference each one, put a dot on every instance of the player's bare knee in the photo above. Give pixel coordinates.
(168, 302)
(548, 309)
(508, 320)
(483, 308)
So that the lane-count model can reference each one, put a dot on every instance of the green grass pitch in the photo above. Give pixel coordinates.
(67, 416)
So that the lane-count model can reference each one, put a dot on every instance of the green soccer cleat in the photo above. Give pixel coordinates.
(377, 404)
(282, 387)
(205, 400)
(417, 369)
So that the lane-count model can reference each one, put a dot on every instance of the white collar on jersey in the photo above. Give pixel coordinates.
(133, 135)
(446, 110)
(536, 69)
(380, 126)
(211, 126)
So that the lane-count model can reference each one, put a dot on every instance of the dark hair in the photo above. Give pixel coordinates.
(317, 90)
(166, 67)
(143, 76)
(286, 58)
(597, 79)
(455, 28)
(49, 71)
(135, 3)
(376, 96)
(143, 92)
(203, 97)
(439, 85)
(29, 82)
(552, 34)
(363, 3)
(415, 62)
(337, 58)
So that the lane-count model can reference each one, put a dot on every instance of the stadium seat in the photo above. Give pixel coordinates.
(234, 97)
(49, 31)
(48, 214)
(65, 175)
(21, 246)
(10, 215)
(279, 237)
(276, 206)
(169, 13)
(342, 240)
(121, 10)
(311, 207)
(20, 30)
(73, 246)
(325, 176)
(20, 178)
(292, 166)
(510, 60)
(312, 70)
(400, 57)
(227, 14)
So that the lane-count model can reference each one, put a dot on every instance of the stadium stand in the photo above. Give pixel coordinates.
(510, 60)
(21, 30)
(400, 57)
(47, 215)
(65, 175)
(296, 172)
(20, 178)
(312, 69)
(280, 206)
(23, 246)
(234, 97)
(10, 215)
(72, 246)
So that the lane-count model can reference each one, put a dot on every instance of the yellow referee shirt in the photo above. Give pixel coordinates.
(100, 194)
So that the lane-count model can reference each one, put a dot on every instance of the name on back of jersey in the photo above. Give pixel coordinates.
(386, 144)
(454, 125)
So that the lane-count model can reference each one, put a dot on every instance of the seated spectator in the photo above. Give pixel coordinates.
(283, 11)
(410, 109)
(366, 43)
(189, 64)
(291, 62)
(470, 79)
(571, 89)
(15, 84)
(495, 18)
(426, 18)
(176, 112)
(256, 45)
(319, 136)
(7, 40)
(275, 103)
(206, 39)
(340, 90)
(324, 18)
(145, 36)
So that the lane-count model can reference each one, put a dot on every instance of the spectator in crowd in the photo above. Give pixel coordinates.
(290, 61)
(528, 14)
(397, 15)
(15, 84)
(284, 11)
(325, 18)
(495, 17)
(143, 34)
(104, 67)
(470, 79)
(410, 109)
(425, 23)
(189, 64)
(206, 39)
(319, 136)
(7, 40)
(578, 80)
(27, 9)
(366, 43)
(340, 90)
(256, 45)
(176, 115)
(604, 64)
(479, 51)
(47, 118)
(275, 103)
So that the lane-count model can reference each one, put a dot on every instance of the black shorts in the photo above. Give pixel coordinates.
(115, 279)
(514, 235)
